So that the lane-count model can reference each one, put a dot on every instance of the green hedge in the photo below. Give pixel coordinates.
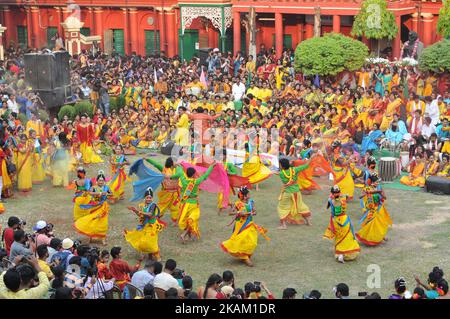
(68, 110)
(43, 115)
(23, 119)
(117, 102)
(84, 107)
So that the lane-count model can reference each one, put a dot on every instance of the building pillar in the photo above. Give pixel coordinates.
(337, 23)
(35, 30)
(212, 37)
(278, 34)
(397, 41)
(9, 35)
(58, 21)
(98, 24)
(300, 31)
(427, 20)
(28, 26)
(309, 31)
(162, 31)
(126, 30)
(2, 50)
(134, 37)
(236, 32)
(171, 33)
(415, 22)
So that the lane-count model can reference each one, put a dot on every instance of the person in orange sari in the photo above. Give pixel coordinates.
(416, 172)
(86, 135)
(392, 108)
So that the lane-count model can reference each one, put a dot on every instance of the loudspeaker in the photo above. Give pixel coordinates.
(438, 185)
(47, 71)
(56, 97)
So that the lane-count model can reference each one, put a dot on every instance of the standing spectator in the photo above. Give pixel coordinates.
(238, 89)
(120, 269)
(13, 106)
(104, 99)
(85, 90)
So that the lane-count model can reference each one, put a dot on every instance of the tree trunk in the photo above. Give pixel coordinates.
(317, 22)
(252, 27)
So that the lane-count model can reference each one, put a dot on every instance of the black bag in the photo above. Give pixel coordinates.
(11, 168)
(438, 185)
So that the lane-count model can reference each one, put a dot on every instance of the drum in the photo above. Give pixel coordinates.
(389, 168)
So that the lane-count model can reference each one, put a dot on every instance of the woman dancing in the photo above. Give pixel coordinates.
(376, 220)
(95, 224)
(341, 169)
(117, 183)
(145, 237)
(82, 197)
(340, 228)
(291, 208)
(168, 196)
(244, 239)
(189, 213)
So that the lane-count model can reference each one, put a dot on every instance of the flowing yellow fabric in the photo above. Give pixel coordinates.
(416, 178)
(343, 178)
(292, 209)
(189, 217)
(344, 240)
(89, 155)
(37, 167)
(375, 226)
(242, 243)
(95, 223)
(24, 178)
(79, 212)
(145, 240)
(255, 170)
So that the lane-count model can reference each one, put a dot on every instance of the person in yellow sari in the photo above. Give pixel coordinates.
(182, 133)
(340, 228)
(392, 108)
(25, 152)
(168, 196)
(244, 239)
(376, 220)
(341, 171)
(145, 237)
(127, 141)
(162, 136)
(254, 169)
(189, 212)
(430, 83)
(95, 223)
(291, 208)
(82, 197)
(117, 183)
(416, 175)
(37, 165)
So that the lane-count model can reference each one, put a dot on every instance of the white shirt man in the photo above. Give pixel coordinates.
(142, 277)
(428, 128)
(432, 110)
(238, 90)
(165, 281)
(12, 104)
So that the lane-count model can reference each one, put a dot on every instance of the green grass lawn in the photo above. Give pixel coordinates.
(297, 257)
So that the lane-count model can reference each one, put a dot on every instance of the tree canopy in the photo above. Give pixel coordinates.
(330, 55)
(435, 58)
(443, 25)
(375, 21)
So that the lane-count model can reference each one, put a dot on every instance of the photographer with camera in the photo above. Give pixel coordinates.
(21, 245)
(14, 223)
(18, 282)
(253, 290)
(43, 233)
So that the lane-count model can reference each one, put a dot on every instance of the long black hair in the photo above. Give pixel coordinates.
(212, 280)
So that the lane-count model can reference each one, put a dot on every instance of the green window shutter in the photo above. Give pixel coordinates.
(22, 36)
(85, 31)
(119, 41)
(152, 45)
(51, 32)
(287, 41)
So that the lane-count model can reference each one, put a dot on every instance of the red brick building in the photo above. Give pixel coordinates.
(182, 26)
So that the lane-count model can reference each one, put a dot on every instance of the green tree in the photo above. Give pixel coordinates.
(330, 55)
(435, 58)
(375, 21)
(443, 25)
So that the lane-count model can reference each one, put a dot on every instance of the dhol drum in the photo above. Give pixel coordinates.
(404, 159)
(389, 168)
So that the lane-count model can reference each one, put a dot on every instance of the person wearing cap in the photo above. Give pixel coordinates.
(340, 227)
(41, 230)
(145, 237)
(67, 251)
(376, 219)
(289, 293)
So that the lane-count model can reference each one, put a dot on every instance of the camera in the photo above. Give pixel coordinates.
(257, 286)
(22, 222)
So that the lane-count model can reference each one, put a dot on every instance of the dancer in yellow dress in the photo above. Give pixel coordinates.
(145, 237)
(25, 151)
(168, 196)
(37, 161)
(254, 169)
(342, 173)
(291, 208)
(82, 197)
(95, 224)
(340, 229)
(244, 239)
(376, 220)
(117, 183)
(189, 213)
